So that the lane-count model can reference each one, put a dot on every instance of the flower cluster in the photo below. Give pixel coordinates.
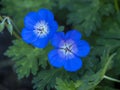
(40, 27)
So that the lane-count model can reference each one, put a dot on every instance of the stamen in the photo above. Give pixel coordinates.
(67, 49)
(41, 29)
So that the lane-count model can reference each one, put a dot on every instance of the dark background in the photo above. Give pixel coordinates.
(8, 77)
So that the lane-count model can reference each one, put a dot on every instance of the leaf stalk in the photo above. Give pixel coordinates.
(111, 79)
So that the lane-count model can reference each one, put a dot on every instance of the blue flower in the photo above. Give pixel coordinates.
(39, 28)
(68, 50)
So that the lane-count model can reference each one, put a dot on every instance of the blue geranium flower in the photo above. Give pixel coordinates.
(68, 50)
(39, 28)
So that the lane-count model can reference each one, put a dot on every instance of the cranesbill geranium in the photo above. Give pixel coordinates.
(68, 50)
(39, 28)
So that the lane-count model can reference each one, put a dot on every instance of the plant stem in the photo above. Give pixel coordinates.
(107, 64)
(111, 79)
(116, 5)
(16, 35)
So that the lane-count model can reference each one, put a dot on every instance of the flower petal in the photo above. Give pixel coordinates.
(83, 48)
(45, 14)
(73, 34)
(57, 38)
(55, 59)
(73, 64)
(27, 35)
(40, 42)
(31, 19)
(53, 26)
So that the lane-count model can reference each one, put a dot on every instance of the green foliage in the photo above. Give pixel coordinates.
(88, 81)
(64, 85)
(27, 59)
(111, 38)
(44, 79)
(22, 7)
(67, 85)
(98, 19)
(87, 15)
(84, 15)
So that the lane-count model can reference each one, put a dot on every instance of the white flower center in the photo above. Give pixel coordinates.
(41, 29)
(67, 49)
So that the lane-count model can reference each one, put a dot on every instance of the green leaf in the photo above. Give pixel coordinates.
(45, 78)
(65, 85)
(27, 59)
(110, 37)
(90, 81)
(86, 15)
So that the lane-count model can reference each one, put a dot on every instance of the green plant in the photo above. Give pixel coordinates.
(99, 20)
